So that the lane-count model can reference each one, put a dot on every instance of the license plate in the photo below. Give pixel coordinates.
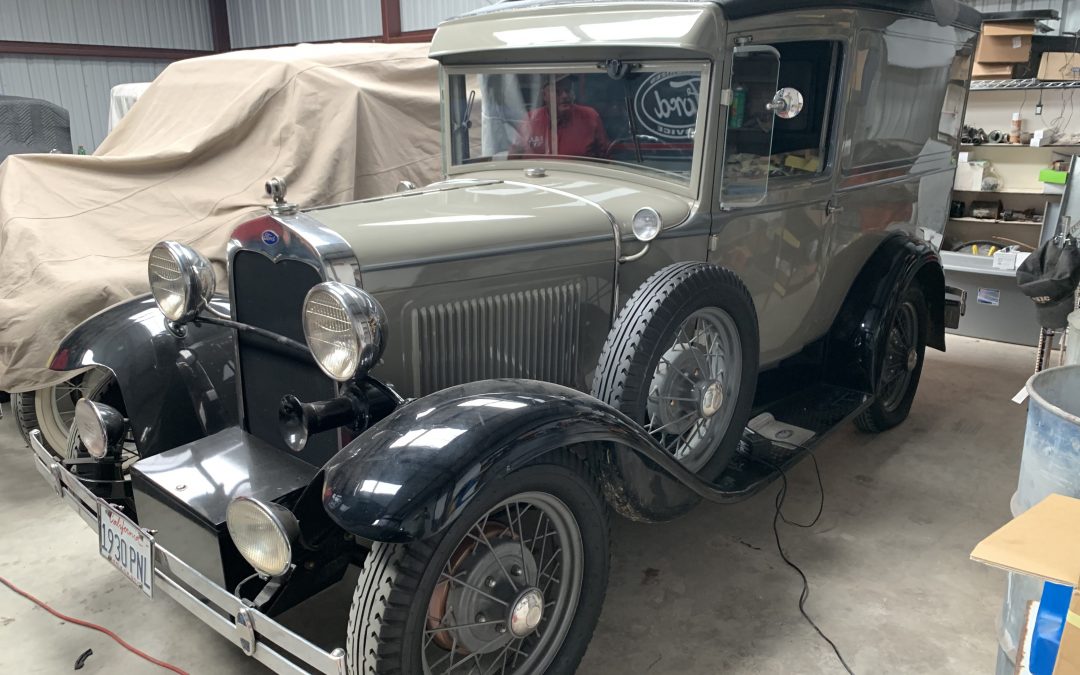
(129, 549)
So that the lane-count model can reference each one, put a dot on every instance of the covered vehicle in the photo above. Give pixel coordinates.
(189, 162)
(678, 243)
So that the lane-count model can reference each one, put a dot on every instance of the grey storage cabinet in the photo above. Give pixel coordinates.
(996, 309)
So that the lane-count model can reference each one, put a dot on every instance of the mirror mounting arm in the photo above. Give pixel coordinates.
(636, 256)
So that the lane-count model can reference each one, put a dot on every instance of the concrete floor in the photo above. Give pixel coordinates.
(890, 579)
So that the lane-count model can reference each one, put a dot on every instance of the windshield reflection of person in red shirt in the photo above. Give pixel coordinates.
(579, 132)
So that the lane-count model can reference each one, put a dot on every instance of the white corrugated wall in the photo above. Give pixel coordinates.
(258, 23)
(81, 85)
(425, 14)
(169, 24)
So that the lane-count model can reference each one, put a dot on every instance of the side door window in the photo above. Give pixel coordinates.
(779, 124)
(755, 71)
(802, 143)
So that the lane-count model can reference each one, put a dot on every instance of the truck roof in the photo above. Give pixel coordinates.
(953, 12)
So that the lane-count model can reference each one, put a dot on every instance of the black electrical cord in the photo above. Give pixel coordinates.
(781, 495)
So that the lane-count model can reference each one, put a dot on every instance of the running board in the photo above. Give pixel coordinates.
(784, 434)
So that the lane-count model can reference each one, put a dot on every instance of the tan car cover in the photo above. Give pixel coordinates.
(189, 162)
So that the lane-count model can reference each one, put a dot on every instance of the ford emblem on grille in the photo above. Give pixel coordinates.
(269, 237)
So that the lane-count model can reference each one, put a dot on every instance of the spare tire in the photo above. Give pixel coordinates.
(682, 361)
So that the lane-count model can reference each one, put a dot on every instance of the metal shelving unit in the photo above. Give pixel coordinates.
(1012, 191)
(1064, 149)
(1011, 85)
(969, 219)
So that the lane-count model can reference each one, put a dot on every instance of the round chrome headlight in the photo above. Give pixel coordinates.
(263, 533)
(647, 224)
(345, 329)
(99, 426)
(181, 279)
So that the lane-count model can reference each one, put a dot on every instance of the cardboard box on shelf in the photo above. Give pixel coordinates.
(1041, 542)
(1005, 42)
(992, 71)
(1059, 66)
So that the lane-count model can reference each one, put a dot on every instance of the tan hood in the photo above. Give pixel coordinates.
(465, 220)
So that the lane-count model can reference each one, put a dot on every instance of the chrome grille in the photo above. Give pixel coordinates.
(530, 334)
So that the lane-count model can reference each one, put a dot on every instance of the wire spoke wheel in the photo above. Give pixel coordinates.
(681, 360)
(506, 597)
(694, 389)
(499, 590)
(900, 360)
(901, 356)
(52, 409)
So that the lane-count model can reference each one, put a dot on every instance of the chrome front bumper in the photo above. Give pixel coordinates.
(259, 636)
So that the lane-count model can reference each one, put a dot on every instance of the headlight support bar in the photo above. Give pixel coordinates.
(254, 330)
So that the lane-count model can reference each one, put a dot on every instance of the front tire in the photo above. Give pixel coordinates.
(52, 409)
(901, 367)
(536, 538)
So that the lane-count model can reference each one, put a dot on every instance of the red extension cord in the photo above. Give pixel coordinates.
(92, 626)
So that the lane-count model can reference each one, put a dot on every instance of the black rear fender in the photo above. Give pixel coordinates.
(175, 389)
(859, 331)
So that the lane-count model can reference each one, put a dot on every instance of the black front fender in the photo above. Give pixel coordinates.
(176, 389)
(409, 475)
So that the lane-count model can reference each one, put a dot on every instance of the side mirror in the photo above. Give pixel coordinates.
(787, 103)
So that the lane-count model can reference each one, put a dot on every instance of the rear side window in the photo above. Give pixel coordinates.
(907, 94)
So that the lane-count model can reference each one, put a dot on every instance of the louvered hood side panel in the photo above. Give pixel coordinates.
(532, 334)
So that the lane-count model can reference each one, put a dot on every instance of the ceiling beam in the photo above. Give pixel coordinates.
(97, 51)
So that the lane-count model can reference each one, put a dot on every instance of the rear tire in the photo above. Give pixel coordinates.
(408, 594)
(901, 367)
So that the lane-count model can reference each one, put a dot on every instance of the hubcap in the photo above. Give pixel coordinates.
(526, 612)
(711, 398)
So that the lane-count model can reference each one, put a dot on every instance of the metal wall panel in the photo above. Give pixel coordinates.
(79, 85)
(426, 14)
(258, 23)
(171, 24)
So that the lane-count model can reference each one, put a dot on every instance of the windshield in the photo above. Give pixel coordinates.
(637, 116)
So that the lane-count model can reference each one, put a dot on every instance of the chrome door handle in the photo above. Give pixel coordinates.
(832, 209)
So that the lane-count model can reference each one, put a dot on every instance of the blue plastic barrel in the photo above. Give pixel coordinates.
(1050, 464)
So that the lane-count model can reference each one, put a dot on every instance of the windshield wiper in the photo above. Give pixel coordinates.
(465, 121)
